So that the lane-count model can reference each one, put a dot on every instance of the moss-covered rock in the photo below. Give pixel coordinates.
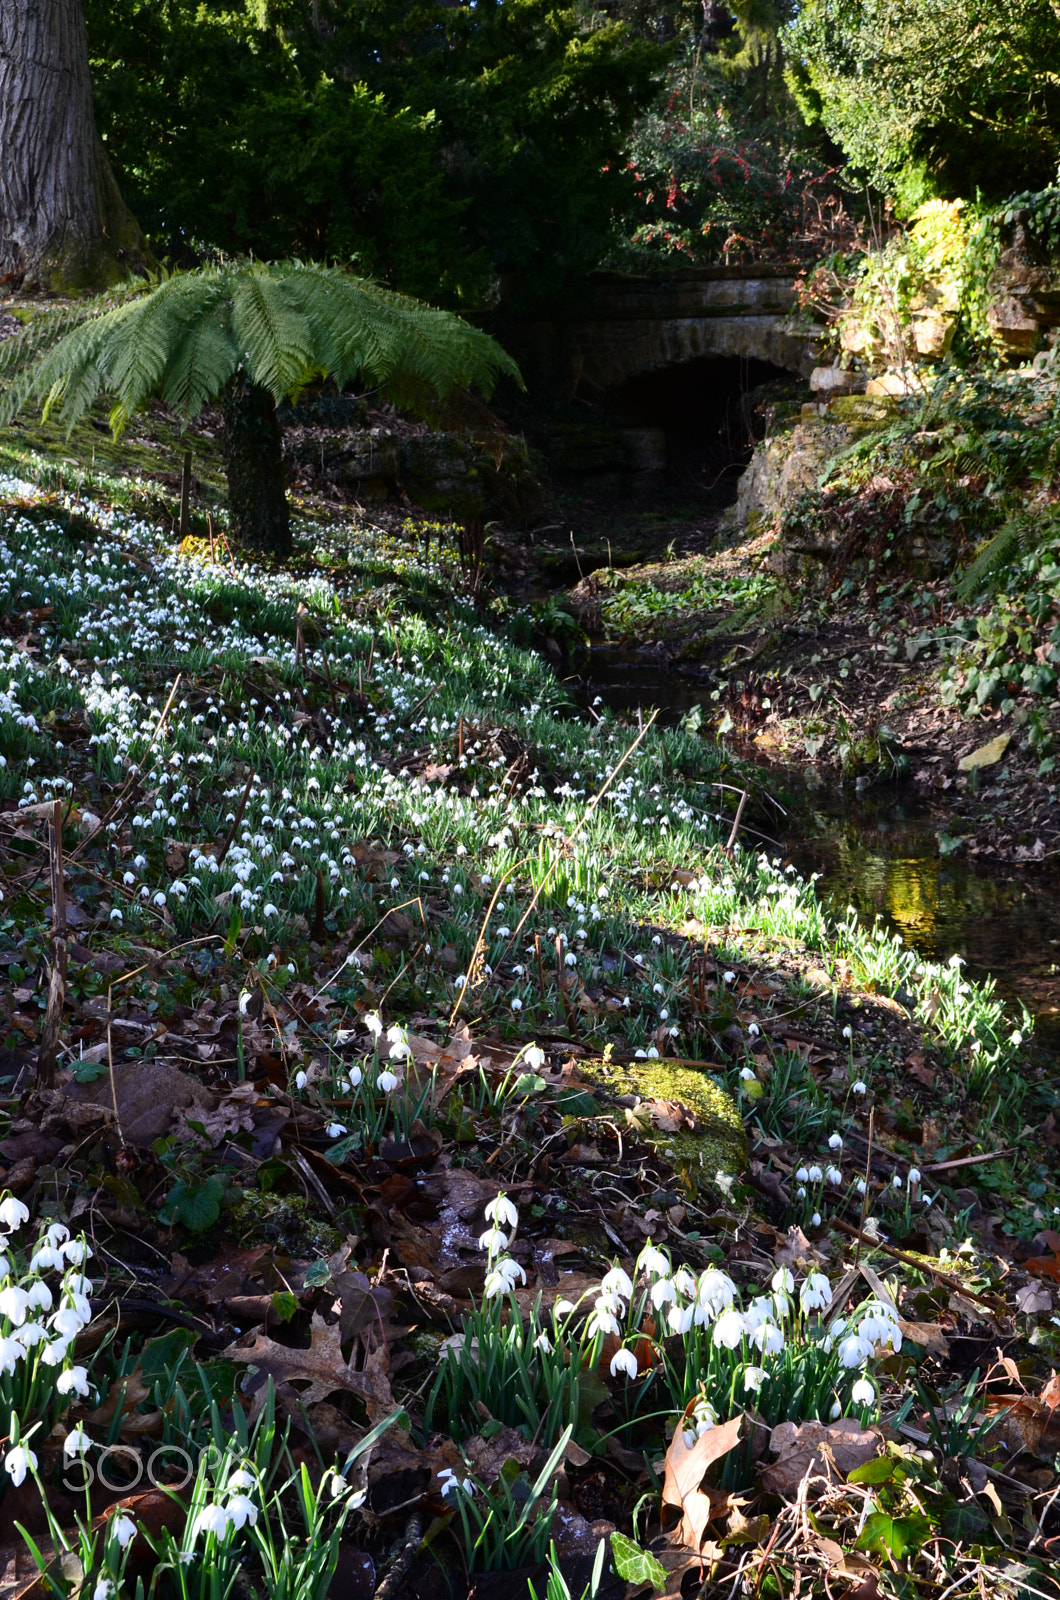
(717, 1143)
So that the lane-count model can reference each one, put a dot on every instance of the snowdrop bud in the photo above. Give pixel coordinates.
(914, 1177)
(859, 1087)
(123, 1529)
(76, 1443)
(835, 1142)
(300, 1080)
(18, 1462)
(863, 1394)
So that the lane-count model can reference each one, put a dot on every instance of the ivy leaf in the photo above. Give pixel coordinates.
(196, 1206)
(89, 1071)
(895, 1536)
(636, 1565)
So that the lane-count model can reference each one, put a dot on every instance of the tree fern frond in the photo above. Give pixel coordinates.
(184, 339)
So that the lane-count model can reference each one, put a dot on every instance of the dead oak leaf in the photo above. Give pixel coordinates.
(321, 1369)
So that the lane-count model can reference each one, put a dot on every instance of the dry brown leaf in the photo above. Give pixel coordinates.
(684, 1490)
(813, 1447)
(487, 1456)
(321, 1368)
(928, 1334)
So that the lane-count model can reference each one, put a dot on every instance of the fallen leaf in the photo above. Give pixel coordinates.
(1033, 1297)
(987, 755)
(684, 1490)
(321, 1368)
(813, 1447)
(927, 1334)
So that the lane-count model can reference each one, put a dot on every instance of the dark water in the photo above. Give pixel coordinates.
(879, 853)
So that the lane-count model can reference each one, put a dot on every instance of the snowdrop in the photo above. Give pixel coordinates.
(624, 1361)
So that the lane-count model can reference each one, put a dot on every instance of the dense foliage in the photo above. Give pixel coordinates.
(445, 149)
(926, 100)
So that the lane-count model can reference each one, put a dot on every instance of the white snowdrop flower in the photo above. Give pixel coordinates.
(543, 1343)
(833, 1176)
(269, 910)
(335, 1130)
(14, 1303)
(746, 1075)
(662, 1291)
(753, 1379)
(242, 1479)
(211, 1519)
(47, 1260)
(457, 888)
(387, 1081)
(374, 1024)
(729, 1329)
(449, 1483)
(570, 959)
(815, 1220)
(800, 1192)
(502, 1211)
(76, 1443)
(502, 1277)
(534, 1057)
(651, 1054)
(54, 1354)
(859, 1088)
(517, 1004)
(18, 1462)
(815, 1293)
(802, 1175)
(123, 1529)
(13, 1214)
(563, 1308)
(30, 1334)
(653, 1261)
(914, 1177)
(769, 1339)
(835, 1141)
(398, 1038)
(680, 1318)
(73, 1381)
(715, 1290)
(848, 1032)
(783, 1281)
(624, 1361)
(863, 1394)
(301, 1079)
(754, 1030)
(356, 1075)
(12, 1352)
(836, 1411)
(854, 1351)
(242, 1511)
(815, 1174)
(116, 916)
(617, 1282)
(860, 1186)
(728, 977)
(601, 1320)
(897, 1180)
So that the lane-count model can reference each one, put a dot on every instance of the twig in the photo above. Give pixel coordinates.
(391, 1585)
(868, 1179)
(737, 819)
(237, 819)
(48, 1048)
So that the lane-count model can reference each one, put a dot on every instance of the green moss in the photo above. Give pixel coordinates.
(719, 1143)
(284, 1220)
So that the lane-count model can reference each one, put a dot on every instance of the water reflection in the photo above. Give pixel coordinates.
(879, 853)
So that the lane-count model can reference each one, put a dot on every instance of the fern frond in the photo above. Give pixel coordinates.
(1018, 536)
(184, 339)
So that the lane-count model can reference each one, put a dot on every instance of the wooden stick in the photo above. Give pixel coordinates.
(737, 819)
(868, 1179)
(48, 1049)
(237, 819)
(185, 495)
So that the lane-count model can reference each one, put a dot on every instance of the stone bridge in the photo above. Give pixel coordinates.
(622, 327)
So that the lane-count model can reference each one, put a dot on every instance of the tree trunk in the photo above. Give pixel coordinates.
(253, 452)
(63, 222)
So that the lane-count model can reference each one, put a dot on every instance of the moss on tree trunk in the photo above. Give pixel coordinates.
(253, 454)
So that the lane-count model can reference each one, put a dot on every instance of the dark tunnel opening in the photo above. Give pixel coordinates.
(693, 427)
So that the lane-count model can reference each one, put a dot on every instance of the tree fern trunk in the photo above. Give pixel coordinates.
(253, 452)
(63, 222)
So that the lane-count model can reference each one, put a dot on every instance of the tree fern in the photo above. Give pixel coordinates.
(198, 336)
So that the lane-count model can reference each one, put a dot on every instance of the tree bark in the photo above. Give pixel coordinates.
(63, 223)
(253, 455)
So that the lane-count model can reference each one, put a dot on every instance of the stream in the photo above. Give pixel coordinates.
(878, 852)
